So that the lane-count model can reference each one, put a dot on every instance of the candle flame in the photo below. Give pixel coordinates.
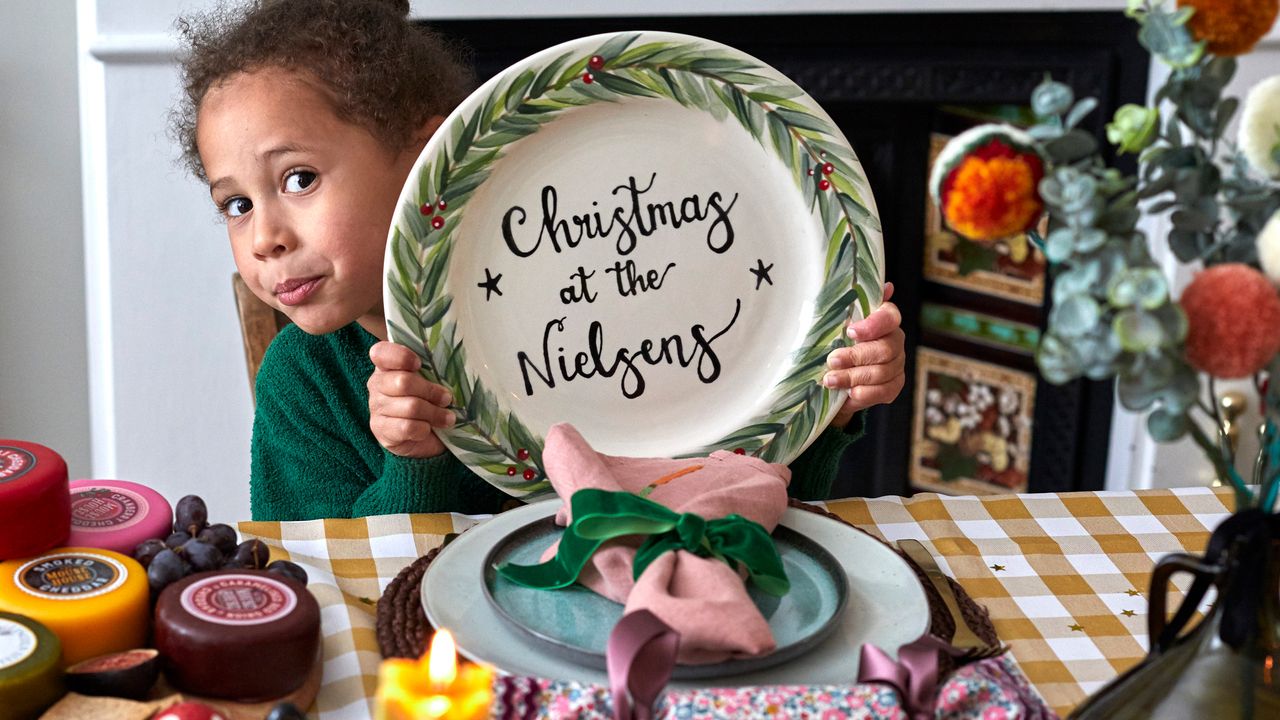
(442, 665)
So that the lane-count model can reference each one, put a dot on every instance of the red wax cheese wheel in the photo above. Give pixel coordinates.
(243, 635)
(96, 601)
(30, 674)
(117, 515)
(35, 507)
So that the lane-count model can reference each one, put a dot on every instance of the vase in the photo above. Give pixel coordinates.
(1223, 667)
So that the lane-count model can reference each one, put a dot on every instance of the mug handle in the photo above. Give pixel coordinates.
(1161, 631)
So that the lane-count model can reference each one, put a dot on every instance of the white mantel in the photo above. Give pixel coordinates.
(169, 399)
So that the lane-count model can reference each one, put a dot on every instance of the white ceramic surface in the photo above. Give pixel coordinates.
(886, 606)
(662, 271)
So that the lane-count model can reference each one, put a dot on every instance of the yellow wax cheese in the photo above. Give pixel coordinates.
(96, 601)
(30, 669)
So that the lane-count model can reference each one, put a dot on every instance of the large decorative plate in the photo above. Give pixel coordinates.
(651, 236)
(886, 606)
(575, 622)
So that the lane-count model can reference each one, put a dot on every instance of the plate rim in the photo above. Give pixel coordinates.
(830, 662)
(799, 407)
(818, 554)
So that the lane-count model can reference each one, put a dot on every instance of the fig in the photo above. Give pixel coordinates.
(128, 674)
(189, 710)
(286, 711)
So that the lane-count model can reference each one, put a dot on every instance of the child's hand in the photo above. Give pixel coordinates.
(403, 405)
(874, 369)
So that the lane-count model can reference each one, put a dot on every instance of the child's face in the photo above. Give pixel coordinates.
(308, 198)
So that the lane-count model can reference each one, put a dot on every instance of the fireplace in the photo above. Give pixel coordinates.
(893, 82)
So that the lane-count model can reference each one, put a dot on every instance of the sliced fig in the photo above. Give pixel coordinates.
(127, 674)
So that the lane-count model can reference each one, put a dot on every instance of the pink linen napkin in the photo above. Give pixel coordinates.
(701, 598)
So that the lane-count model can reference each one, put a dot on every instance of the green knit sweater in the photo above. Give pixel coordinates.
(315, 457)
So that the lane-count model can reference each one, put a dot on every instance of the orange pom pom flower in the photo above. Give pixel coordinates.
(1231, 27)
(1233, 320)
(986, 183)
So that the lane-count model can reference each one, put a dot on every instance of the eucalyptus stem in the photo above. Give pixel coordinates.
(1271, 486)
(1225, 470)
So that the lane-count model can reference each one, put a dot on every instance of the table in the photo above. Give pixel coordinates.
(1064, 576)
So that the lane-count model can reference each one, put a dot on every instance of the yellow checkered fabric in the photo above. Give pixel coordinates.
(1064, 575)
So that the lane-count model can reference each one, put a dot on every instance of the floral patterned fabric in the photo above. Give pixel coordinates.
(993, 689)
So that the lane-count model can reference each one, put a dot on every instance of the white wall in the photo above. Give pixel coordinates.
(170, 403)
(43, 382)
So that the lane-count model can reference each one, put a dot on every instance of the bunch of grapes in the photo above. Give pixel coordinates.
(197, 546)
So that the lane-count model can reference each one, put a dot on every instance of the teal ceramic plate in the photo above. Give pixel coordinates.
(886, 607)
(575, 623)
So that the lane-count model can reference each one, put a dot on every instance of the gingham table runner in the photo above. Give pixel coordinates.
(1064, 575)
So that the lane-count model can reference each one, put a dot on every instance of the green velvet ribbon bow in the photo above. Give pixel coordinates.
(600, 515)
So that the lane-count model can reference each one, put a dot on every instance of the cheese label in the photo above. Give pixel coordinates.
(239, 600)
(104, 509)
(70, 576)
(14, 463)
(17, 643)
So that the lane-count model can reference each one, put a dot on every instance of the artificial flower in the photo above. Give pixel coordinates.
(1231, 27)
(1259, 136)
(1233, 320)
(1269, 248)
(1133, 128)
(985, 183)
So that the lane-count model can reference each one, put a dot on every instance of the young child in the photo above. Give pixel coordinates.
(305, 118)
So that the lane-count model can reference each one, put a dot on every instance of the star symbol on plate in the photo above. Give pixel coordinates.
(997, 568)
(761, 271)
(1076, 628)
(1127, 613)
(490, 284)
(1132, 593)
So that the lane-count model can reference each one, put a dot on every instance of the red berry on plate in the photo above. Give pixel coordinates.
(823, 184)
(586, 78)
(511, 470)
(827, 169)
(530, 474)
(442, 205)
(437, 222)
(425, 209)
(596, 62)
(522, 454)
(739, 451)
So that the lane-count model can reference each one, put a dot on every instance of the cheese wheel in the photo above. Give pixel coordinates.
(244, 635)
(35, 507)
(117, 515)
(96, 601)
(30, 669)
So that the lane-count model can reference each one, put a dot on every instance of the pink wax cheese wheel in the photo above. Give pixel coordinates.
(117, 515)
(35, 507)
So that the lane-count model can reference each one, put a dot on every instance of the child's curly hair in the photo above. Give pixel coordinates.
(381, 72)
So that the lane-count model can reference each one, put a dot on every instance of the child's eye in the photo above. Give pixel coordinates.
(298, 180)
(237, 206)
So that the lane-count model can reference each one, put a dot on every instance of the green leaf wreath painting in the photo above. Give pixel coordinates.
(532, 232)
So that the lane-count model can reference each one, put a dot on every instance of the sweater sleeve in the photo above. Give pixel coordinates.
(313, 455)
(814, 472)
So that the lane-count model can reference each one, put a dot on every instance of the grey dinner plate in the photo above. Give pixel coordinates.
(574, 623)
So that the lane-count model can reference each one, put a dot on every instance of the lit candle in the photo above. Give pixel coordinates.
(431, 687)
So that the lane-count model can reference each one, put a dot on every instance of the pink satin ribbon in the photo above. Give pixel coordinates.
(641, 655)
(914, 674)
